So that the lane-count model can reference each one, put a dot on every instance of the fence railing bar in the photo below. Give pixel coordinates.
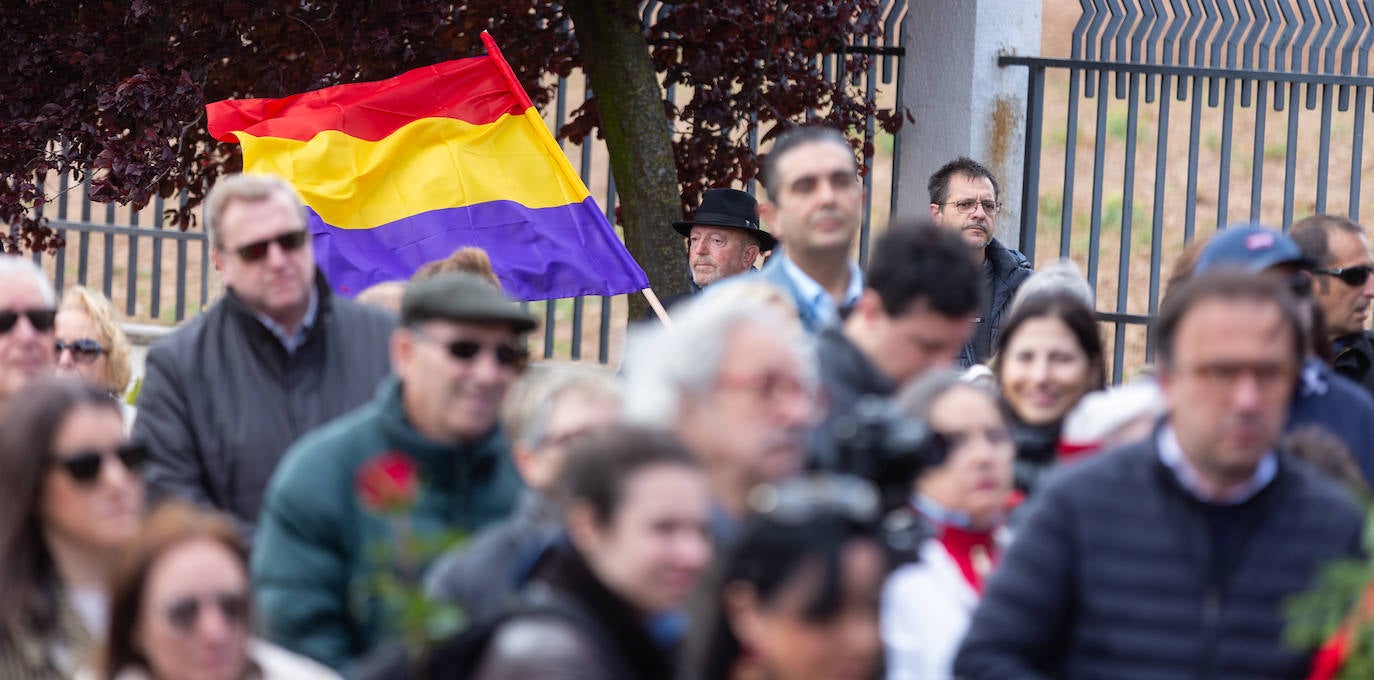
(1190, 71)
(155, 295)
(204, 272)
(107, 285)
(1070, 163)
(1099, 153)
(63, 183)
(1357, 154)
(603, 344)
(870, 140)
(131, 271)
(1324, 150)
(1228, 114)
(1257, 156)
(1194, 128)
(83, 239)
(1123, 272)
(1157, 216)
(180, 312)
(1290, 158)
(1030, 195)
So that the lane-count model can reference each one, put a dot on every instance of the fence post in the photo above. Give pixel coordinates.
(962, 103)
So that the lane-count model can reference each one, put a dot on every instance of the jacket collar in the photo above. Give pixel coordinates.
(850, 362)
(445, 462)
(239, 310)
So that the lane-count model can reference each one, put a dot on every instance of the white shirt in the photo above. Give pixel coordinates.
(816, 298)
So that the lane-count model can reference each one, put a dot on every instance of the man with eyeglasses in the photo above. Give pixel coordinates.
(279, 354)
(815, 208)
(1173, 557)
(27, 309)
(1344, 290)
(964, 198)
(460, 346)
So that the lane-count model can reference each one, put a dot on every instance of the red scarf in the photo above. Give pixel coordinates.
(974, 551)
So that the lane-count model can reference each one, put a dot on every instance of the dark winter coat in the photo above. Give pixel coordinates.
(1010, 269)
(1115, 575)
(222, 399)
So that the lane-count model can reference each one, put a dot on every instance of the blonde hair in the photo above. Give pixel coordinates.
(470, 259)
(386, 295)
(102, 314)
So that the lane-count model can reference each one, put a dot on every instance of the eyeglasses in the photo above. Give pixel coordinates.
(184, 612)
(84, 467)
(769, 386)
(1350, 276)
(40, 319)
(968, 206)
(506, 354)
(84, 350)
(257, 250)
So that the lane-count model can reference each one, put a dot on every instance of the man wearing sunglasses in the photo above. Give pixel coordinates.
(1343, 288)
(27, 310)
(460, 346)
(279, 354)
(964, 198)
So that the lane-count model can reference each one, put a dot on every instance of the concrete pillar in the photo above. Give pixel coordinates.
(962, 102)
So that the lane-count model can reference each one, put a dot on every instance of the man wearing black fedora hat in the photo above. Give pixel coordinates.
(724, 237)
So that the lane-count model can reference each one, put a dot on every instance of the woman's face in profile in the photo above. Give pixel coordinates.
(91, 500)
(976, 477)
(83, 351)
(786, 644)
(193, 620)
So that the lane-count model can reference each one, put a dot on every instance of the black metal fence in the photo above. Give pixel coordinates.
(163, 275)
(1197, 116)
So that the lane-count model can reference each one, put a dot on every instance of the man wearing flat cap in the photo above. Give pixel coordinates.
(459, 346)
(723, 237)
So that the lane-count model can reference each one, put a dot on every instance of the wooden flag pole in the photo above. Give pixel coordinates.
(658, 307)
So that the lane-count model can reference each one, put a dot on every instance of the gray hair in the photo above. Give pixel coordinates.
(529, 405)
(16, 265)
(1063, 276)
(665, 363)
(243, 187)
(917, 400)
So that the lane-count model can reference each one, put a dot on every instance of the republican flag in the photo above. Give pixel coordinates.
(400, 172)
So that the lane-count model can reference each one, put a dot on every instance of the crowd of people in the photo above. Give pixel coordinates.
(812, 469)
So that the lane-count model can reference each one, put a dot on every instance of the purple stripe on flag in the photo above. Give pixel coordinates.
(538, 253)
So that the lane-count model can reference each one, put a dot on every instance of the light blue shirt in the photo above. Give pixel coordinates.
(295, 340)
(1171, 454)
(815, 297)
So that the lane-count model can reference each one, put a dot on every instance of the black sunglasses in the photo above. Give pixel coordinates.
(184, 612)
(40, 319)
(507, 355)
(84, 350)
(257, 250)
(84, 467)
(1350, 276)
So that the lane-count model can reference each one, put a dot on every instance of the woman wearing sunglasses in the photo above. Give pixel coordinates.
(70, 499)
(181, 608)
(798, 596)
(90, 344)
(927, 604)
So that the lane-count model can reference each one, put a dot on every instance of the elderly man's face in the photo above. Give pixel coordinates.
(452, 394)
(1229, 384)
(719, 252)
(263, 258)
(26, 348)
(751, 425)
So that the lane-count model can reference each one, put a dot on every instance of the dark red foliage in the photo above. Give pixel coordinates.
(115, 91)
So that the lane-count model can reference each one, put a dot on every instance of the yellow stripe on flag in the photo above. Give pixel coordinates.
(428, 164)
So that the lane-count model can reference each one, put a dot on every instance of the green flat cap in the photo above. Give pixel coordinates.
(461, 297)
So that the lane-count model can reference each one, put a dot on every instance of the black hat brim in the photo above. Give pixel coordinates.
(766, 240)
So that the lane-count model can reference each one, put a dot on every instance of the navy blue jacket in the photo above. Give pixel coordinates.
(1341, 407)
(1115, 575)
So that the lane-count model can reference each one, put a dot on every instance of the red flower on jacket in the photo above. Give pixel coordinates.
(388, 483)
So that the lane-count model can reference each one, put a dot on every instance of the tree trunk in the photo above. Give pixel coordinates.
(629, 100)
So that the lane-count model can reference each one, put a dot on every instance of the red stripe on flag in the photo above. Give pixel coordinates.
(474, 90)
